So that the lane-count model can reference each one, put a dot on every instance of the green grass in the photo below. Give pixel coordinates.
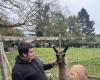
(90, 58)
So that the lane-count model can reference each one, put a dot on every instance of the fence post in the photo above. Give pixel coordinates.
(3, 62)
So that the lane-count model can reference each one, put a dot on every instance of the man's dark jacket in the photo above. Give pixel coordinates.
(33, 70)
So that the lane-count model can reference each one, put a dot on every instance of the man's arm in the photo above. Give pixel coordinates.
(49, 66)
(46, 66)
(16, 76)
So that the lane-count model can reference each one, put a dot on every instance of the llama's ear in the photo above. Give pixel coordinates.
(65, 49)
(55, 49)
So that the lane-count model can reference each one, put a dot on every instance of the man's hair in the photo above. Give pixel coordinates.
(23, 48)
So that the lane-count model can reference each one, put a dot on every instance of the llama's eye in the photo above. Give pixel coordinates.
(63, 54)
(57, 55)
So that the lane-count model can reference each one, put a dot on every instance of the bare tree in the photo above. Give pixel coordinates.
(20, 13)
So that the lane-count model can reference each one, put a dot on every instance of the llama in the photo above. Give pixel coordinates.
(76, 72)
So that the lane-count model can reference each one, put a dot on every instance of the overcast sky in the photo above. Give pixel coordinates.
(92, 7)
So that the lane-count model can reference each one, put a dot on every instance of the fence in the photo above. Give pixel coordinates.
(89, 57)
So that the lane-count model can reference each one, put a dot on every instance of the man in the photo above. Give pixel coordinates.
(28, 66)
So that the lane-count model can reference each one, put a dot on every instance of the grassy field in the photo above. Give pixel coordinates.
(88, 57)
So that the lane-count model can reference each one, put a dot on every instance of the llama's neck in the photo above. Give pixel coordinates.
(63, 71)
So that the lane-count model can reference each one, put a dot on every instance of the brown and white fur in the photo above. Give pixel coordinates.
(76, 72)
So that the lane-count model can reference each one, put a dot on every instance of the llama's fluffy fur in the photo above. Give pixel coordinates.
(77, 72)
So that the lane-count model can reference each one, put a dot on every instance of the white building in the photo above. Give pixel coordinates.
(29, 33)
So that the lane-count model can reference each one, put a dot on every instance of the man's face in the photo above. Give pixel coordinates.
(30, 55)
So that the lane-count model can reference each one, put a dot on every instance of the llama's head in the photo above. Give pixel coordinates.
(60, 55)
